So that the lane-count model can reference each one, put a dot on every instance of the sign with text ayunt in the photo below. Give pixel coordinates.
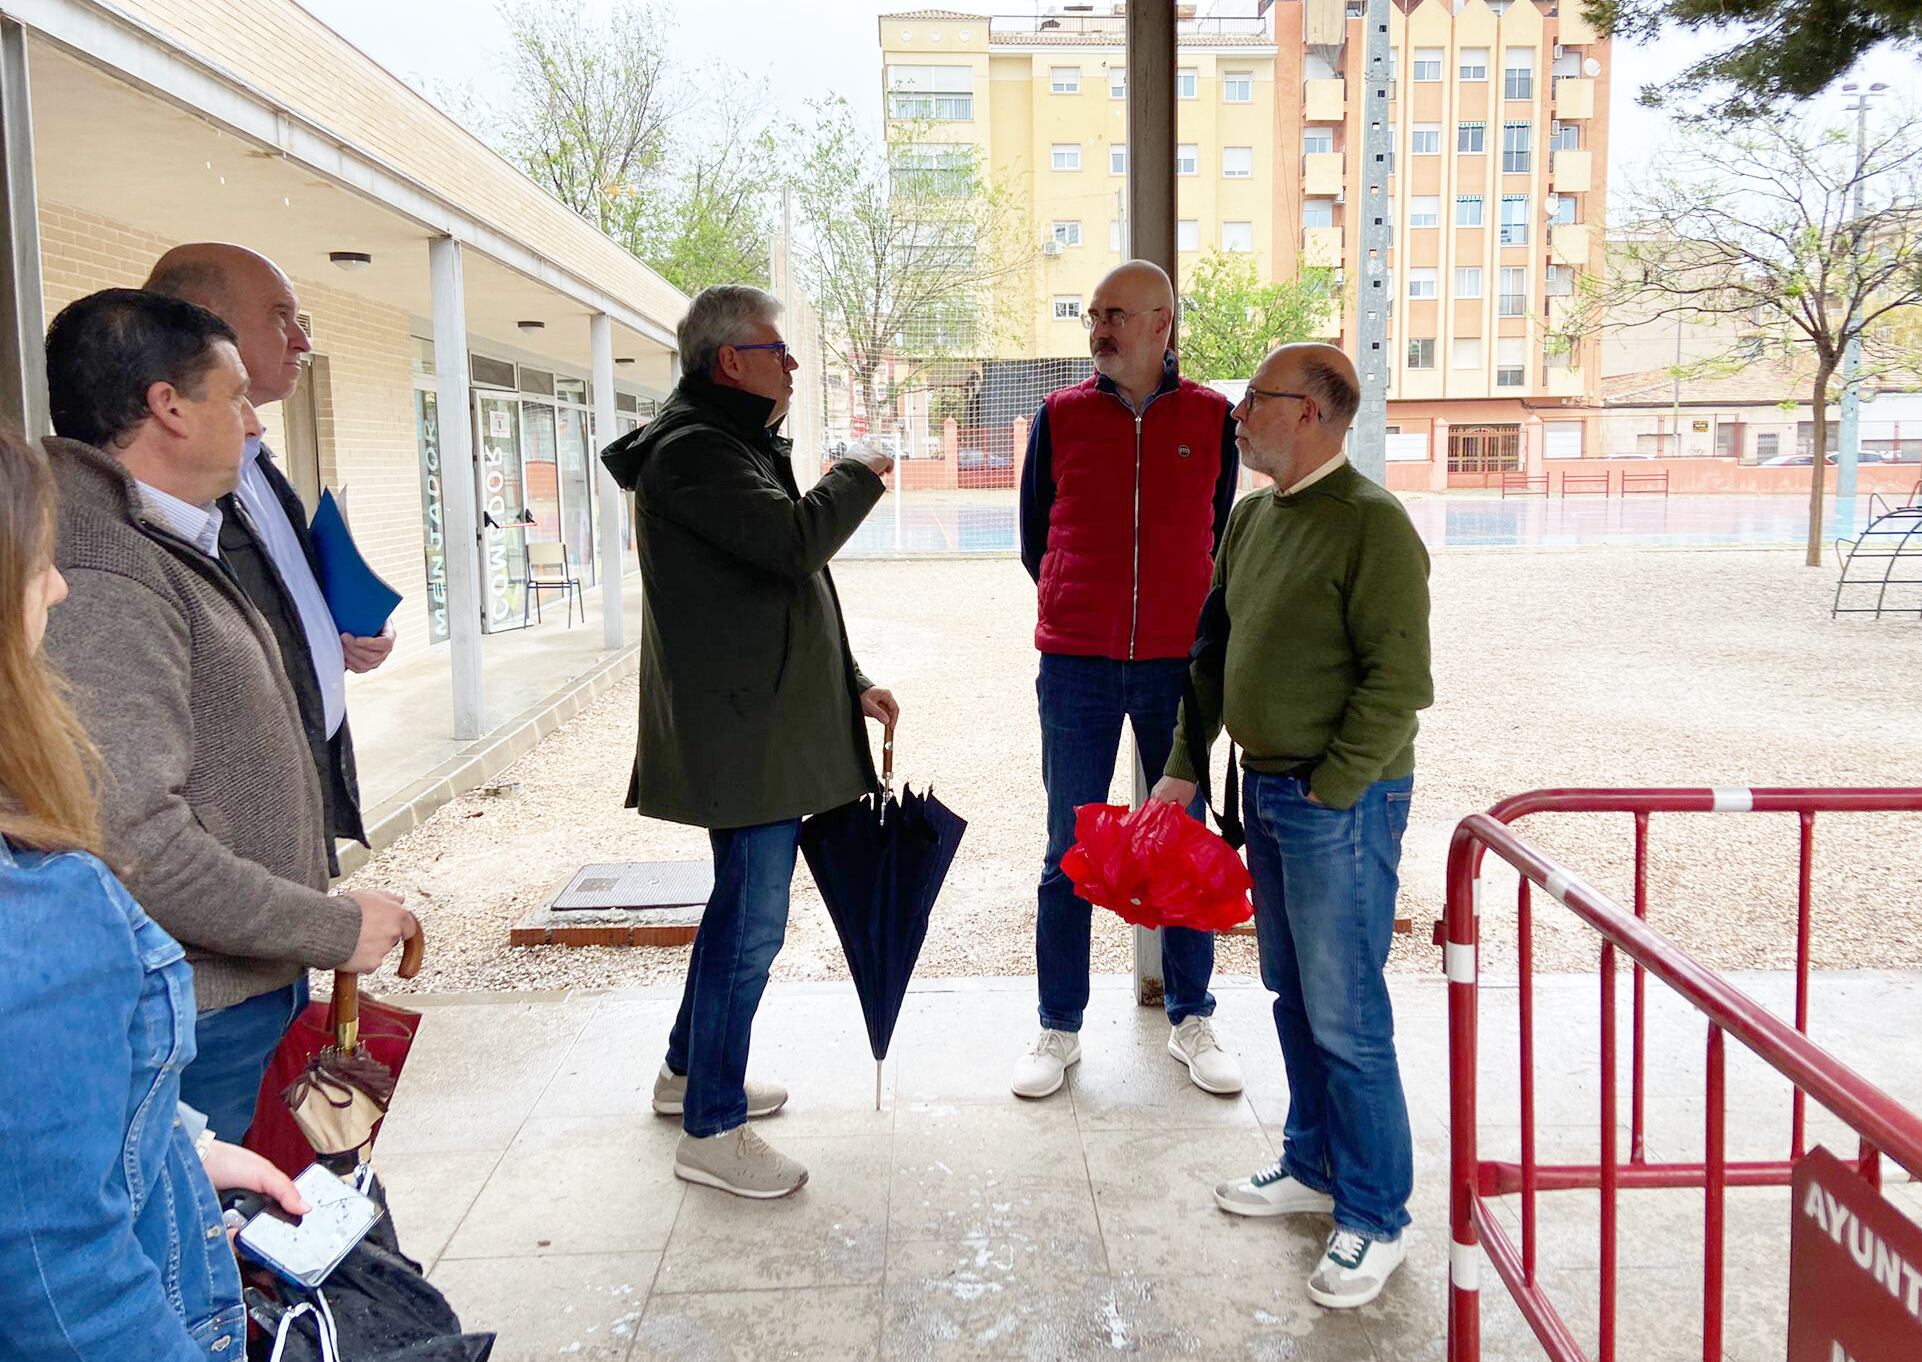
(1855, 1270)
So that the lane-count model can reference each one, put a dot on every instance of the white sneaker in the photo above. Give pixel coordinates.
(1353, 1270)
(1271, 1192)
(670, 1095)
(738, 1161)
(1042, 1070)
(1212, 1068)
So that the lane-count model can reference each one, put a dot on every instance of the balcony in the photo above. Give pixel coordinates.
(1321, 246)
(1574, 97)
(1324, 101)
(1571, 171)
(1321, 173)
(1568, 244)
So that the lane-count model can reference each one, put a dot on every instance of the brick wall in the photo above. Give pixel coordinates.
(365, 410)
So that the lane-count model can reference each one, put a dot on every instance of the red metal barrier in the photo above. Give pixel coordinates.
(1884, 1126)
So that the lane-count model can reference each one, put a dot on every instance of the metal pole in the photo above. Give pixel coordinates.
(613, 624)
(458, 492)
(1368, 442)
(23, 352)
(1675, 394)
(1849, 440)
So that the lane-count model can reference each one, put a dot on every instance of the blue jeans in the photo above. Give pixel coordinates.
(235, 1043)
(1084, 701)
(1325, 882)
(741, 932)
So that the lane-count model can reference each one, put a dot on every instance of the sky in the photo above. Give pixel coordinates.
(807, 48)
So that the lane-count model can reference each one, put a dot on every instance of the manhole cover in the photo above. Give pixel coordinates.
(637, 884)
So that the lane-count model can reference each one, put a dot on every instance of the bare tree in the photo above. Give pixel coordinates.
(1787, 235)
(901, 243)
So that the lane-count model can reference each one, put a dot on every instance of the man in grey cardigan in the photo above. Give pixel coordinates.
(212, 809)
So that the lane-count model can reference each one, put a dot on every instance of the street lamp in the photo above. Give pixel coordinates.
(1849, 439)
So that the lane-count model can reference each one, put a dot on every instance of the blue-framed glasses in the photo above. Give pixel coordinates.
(778, 347)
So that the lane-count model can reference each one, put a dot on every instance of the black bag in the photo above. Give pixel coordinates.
(1211, 646)
(377, 1306)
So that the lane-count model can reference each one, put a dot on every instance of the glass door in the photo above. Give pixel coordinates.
(578, 530)
(503, 506)
(432, 518)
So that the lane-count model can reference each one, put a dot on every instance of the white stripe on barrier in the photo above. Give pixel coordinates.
(1557, 886)
(1733, 799)
(1464, 1266)
(1458, 963)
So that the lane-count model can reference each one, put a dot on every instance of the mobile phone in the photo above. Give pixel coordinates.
(305, 1249)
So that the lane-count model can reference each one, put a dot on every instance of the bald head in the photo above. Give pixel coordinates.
(1327, 374)
(250, 293)
(1132, 311)
(1297, 410)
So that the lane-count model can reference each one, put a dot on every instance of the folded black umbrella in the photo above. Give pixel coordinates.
(879, 863)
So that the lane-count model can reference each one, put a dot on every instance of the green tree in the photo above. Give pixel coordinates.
(1230, 319)
(1778, 50)
(901, 244)
(1752, 228)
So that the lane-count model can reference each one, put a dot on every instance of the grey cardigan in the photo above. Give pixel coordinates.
(211, 808)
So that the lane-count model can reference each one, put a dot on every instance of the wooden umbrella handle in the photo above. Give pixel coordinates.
(345, 1010)
(887, 761)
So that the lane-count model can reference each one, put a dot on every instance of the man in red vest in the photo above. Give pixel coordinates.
(1128, 483)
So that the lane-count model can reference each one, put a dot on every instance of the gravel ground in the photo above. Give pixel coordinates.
(1591, 667)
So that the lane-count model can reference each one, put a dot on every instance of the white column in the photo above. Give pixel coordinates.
(23, 354)
(613, 626)
(457, 492)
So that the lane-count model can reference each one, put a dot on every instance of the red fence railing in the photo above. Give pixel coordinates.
(1882, 1125)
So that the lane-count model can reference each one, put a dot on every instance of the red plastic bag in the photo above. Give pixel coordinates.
(386, 1033)
(1157, 867)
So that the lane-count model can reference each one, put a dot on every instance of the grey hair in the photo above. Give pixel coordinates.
(721, 315)
(1338, 399)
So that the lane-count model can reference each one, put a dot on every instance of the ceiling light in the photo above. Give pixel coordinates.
(350, 260)
(623, 359)
(531, 325)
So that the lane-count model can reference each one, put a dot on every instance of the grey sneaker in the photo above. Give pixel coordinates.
(1353, 1270)
(670, 1095)
(738, 1161)
(1271, 1192)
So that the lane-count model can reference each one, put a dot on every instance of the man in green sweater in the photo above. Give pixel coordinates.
(1325, 585)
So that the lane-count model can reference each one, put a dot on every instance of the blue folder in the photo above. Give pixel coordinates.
(361, 602)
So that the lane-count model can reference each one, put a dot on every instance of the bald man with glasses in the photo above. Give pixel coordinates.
(1129, 479)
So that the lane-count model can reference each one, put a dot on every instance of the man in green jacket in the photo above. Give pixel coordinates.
(1325, 585)
(751, 703)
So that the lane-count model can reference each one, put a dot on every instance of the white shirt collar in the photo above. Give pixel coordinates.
(198, 525)
(1317, 475)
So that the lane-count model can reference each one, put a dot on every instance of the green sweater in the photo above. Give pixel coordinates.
(1327, 658)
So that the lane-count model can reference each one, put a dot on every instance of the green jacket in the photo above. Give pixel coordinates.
(750, 709)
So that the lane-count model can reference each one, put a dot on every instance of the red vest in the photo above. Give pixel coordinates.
(1131, 532)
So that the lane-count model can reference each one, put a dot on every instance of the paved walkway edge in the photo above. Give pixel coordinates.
(486, 757)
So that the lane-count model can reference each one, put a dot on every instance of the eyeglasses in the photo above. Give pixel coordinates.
(1113, 316)
(1253, 393)
(778, 347)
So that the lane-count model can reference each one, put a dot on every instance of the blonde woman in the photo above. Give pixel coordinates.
(111, 1243)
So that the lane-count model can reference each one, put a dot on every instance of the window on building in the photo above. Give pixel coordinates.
(1767, 444)
(1468, 210)
(1114, 236)
(1564, 136)
(1428, 63)
(1514, 219)
(1421, 352)
(1237, 236)
(1067, 307)
(1064, 80)
(1426, 140)
(1118, 159)
(1566, 213)
(1065, 155)
(1518, 73)
(1471, 139)
(1424, 210)
(944, 169)
(1805, 438)
(1421, 283)
(1067, 233)
(1560, 282)
(1466, 353)
(1118, 82)
(1474, 63)
(1187, 83)
(1188, 235)
(1510, 362)
(1558, 352)
(1238, 87)
(1728, 439)
(941, 94)
(1237, 163)
(1515, 151)
(1514, 292)
(1317, 140)
(1187, 159)
(1318, 212)
(1468, 281)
